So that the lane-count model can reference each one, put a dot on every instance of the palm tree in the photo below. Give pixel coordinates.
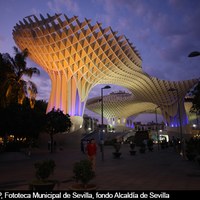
(16, 87)
(5, 69)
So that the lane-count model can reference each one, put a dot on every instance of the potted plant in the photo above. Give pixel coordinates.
(117, 147)
(132, 148)
(83, 174)
(43, 171)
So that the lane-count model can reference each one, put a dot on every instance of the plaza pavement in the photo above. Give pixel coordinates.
(158, 170)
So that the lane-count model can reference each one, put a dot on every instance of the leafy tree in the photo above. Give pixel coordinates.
(33, 118)
(57, 121)
(196, 100)
(23, 121)
(41, 106)
(11, 120)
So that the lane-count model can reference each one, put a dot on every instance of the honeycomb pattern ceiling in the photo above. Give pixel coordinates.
(88, 54)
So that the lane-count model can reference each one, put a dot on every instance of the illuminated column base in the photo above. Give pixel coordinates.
(120, 128)
(77, 123)
(119, 124)
(117, 121)
(171, 115)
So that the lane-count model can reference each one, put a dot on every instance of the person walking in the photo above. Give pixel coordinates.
(82, 146)
(91, 152)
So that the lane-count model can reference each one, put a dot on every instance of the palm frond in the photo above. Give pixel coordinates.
(30, 71)
(32, 87)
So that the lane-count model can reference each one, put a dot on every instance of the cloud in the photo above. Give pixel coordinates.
(163, 32)
(43, 84)
(2, 38)
(58, 5)
(42, 81)
(35, 11)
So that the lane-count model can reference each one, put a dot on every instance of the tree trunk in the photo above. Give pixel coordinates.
(52, 144)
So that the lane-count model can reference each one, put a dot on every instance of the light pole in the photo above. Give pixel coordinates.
(179, 114)
(157, 125)
(102, 125)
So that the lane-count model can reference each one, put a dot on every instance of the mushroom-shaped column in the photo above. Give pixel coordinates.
(76, 55)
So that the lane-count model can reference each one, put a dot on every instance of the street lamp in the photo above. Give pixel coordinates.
(102, 125)
(157, 125)
(106, 87)
(180, 121)
(194, 54)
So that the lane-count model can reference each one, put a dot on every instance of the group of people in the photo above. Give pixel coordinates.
(89, 147)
